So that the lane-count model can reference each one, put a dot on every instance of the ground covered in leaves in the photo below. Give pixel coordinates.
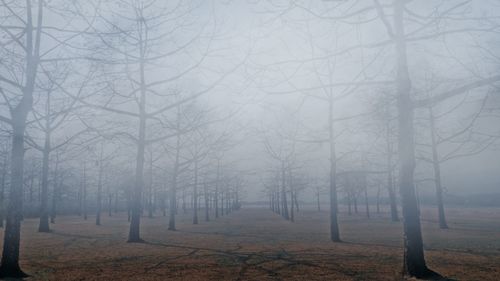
(256, 244)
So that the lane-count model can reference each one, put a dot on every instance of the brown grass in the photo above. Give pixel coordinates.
(255, 244)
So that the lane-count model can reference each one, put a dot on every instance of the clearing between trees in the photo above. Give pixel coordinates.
(256, 244)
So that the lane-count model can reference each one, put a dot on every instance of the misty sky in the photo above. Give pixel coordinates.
(268, 65)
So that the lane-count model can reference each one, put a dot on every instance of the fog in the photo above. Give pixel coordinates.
(157, 108)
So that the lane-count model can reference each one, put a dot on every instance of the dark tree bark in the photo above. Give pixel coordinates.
(10, 256)
(414, 261)
(9, 266)
(2, 191)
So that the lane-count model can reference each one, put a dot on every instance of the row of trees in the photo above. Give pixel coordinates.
(109, 98)
(84, 85)
(401, 105)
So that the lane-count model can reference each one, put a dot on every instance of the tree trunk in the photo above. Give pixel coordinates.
(80, 201)
(334, 225)
(366, 201)
(195, 193)
(378, 199)
(84, 190)
(56, 189)
(115, 207)
(207, 200)
(355, 201)
(283, 192)
(135, 216)
(110, 205)
(390, 179)
(10, 256)
(136, 208)
(414, 261)
(99, 189)
(437, 173)
(317, 199)
(44, 208)
(278, 201)
(222, 202)
(349, 207)
(173, 189)
(2, 190)
(9, 266)
(150, 185)
(296, 201)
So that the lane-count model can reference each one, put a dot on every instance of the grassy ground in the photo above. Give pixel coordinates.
(255, 244)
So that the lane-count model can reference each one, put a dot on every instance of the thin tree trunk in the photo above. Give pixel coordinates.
(99, 187)
(110, 205)
(390, 179)
(55, 191)
(278, 201)
(349, 207)
(437, 173)
(216, 197)
(355, 201)
(80, 197)
(283, 192)
(222, 203)
(378, 199)
(84, 196)
(184, 208)
(207, 200)
(116, 203)
(296, 201)
(44, 208)
(195, 193)
(334, 225)
(366, 201)
(173, 189)
(150, 185)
